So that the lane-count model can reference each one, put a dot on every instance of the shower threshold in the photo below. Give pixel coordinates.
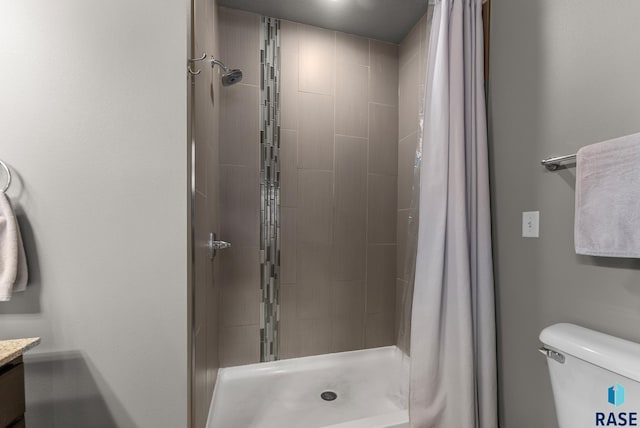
(357, 389)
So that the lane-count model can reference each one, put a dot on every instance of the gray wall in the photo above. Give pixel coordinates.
(93, 124)
(563, 75)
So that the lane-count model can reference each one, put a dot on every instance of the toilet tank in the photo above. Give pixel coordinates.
(595, 377)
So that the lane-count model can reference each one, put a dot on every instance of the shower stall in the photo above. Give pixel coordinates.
(304, 161)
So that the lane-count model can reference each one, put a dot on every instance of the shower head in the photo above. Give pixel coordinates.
(230, 76)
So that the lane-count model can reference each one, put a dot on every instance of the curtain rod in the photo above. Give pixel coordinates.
(554, 163)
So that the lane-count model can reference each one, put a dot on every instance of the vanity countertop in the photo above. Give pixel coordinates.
(12, 349)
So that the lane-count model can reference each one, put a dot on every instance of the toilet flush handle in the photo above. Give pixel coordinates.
(550, 353)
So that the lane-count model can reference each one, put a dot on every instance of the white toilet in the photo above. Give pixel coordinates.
(595, 377)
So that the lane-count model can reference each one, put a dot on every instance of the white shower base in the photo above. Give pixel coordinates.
(371, 385)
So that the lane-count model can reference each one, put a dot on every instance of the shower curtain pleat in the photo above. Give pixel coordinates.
(453, 351)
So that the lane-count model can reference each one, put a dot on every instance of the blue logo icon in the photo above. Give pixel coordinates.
(616, 395)
(616, 418)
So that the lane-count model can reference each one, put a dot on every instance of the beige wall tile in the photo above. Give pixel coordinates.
(240, 205)
(351, 171)
(425, 28)
(413, 53)
(240, 129)
(401, 262)
(317, 59)
(313, 281)
(421, 100)
(289, 338)
(350, 190)
(200, 376)
(288, 168)
(202, 282)
(239, 267)
(314, 336)
(379, 330)
(347, 334)
(208, 329)
(207, 295)
(315, 131)
(383, 139)
(240, 345)
(381, 227)
(203, 265)
(289, 75)
(314, 300)
(289, 105)
(213, 118)
(201, 162)
(349, 233)
(381, 278)
(202, 289)
(288, 302)
(411, 44)
(352, 49)
(348, 259)
(204, 131)
(288, 250)
(315, 206)
(213, 187)
(324, 246)
(212, 337)
(352, 100)
(347, 299)
(313, 263)
(401, 289)
(383, 81)
(240, 43)
(408, 93)
(404, 299)
(406, 163)
(240, 306)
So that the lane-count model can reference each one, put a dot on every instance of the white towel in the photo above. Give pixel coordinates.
(13, 261)
(608, 198)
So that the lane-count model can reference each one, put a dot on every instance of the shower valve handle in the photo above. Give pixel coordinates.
(220, 245)
(215, 245)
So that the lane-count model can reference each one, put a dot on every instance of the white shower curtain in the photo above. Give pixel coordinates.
(453, 349)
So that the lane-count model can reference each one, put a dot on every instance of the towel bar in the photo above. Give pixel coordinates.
(8, 173)
(554, 163)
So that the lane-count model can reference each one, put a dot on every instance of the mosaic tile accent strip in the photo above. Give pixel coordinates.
(270, 188)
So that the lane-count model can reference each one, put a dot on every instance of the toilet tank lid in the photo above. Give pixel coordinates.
(612, 353)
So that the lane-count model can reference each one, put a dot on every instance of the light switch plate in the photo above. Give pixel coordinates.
(531, 224)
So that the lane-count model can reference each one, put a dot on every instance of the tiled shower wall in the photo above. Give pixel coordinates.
(239, 266)
(339, 158)
(339, 122)
(412, 73)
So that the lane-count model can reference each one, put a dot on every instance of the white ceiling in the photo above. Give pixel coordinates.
(388, 20)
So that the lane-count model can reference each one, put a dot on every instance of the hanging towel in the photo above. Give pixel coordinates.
(13, 261)
(607, 221)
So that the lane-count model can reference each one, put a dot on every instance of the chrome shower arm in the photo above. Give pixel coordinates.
(215, 62)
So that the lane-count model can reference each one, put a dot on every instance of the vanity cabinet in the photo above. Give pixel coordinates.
(12, 399)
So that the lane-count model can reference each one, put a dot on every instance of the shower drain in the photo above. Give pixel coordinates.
(328, 396)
